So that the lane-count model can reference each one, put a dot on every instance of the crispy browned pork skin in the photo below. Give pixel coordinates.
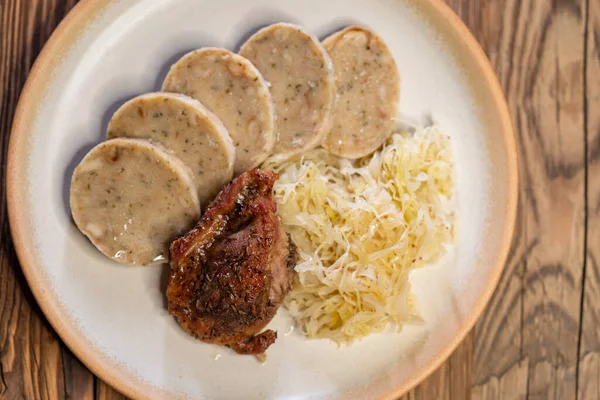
(231, 272)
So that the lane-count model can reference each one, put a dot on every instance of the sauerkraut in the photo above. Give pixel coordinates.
(361, 227)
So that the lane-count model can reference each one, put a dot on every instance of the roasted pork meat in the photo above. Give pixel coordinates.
(231, 272)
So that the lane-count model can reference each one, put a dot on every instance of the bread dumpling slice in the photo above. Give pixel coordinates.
(232, 88)
(368, 87)
(301, 80)
(183, 125)
(132, 198)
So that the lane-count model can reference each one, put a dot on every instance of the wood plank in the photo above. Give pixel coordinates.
(105, 392)
(589, 362)
(79, 381)
(33, 362)
(512, 385)
(539, 61)
(589, 376)
(550, 113)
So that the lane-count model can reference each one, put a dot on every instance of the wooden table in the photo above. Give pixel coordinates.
(540, 335)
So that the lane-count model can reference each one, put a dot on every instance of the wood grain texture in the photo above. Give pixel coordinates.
(105, 392)
(589, 353)
(548, 109)
(554, 150)
(540, 335)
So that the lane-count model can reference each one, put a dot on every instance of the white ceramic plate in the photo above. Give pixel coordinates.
(114, 317)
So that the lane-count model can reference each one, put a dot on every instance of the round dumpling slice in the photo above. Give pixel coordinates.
(302, 84)
(132, 199)
(231, 87)
(181, 124)
(368, 87)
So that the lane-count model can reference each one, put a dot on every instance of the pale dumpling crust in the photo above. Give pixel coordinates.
(368, 87)
(301, 80)
(183, 125)
(131, 199)
(232, 88)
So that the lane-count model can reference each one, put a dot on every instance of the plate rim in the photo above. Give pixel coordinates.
(34, 89)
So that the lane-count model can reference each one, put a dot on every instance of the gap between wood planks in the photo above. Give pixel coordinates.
(586, 193)
(589, 350)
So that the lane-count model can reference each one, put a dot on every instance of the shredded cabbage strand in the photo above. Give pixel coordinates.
(361, 227)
